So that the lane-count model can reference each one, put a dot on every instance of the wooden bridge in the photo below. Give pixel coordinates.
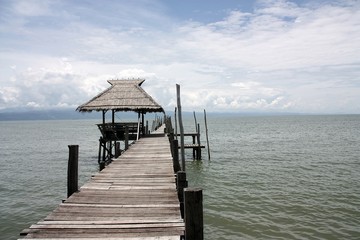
(135, 197)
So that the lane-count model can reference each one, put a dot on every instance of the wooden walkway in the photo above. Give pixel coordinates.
(133, 198)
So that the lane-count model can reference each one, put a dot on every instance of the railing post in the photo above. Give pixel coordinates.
(100, 146)
(181, 184)
(175, 151)
(126, 137)
(72, 176)
(194, 223)
(117, 149)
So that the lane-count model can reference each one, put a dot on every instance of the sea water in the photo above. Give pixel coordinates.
(269, 177)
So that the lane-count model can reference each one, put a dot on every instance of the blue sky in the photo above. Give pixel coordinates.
(232, 56)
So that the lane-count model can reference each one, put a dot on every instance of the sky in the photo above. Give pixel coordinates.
(227, 56)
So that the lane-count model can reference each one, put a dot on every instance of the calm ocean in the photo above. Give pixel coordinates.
(270, 177)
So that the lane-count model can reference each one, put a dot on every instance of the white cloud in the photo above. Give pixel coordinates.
(32, 7)
(283, 56)
(9, 95)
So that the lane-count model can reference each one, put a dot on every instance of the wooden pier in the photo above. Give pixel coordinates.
(141, 194)
(135, 197)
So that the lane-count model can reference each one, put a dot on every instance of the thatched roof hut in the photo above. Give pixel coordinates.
(122, 95)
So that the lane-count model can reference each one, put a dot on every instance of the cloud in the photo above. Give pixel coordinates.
(269, 40)
(281, 56)
(32, 8)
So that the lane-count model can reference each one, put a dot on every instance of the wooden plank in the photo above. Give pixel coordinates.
(106, 234)
(193, 146)
(106, 226)
(134, 197)
(116, 238)
(143, 221)
(130, 219)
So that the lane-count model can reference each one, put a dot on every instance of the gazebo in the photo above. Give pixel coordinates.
(122, 95)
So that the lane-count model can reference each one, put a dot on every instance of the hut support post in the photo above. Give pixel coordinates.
(103, 116)
(138, 129)
(102, 164)
(117, 149)
(100, 145)
(194, 223)
(111, 142)
(142, 124)
(72, 178)
(126, 137)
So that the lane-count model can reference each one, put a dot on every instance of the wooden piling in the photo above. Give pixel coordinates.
(175, 151)
(175, 119)
(99, 155)
(117, 149)
(194, 223)
(181, 185)
(207, 135)
(198, 155)
(72, 177)
(138, 129)
(126, 137)
(196, 124)
(181, 128)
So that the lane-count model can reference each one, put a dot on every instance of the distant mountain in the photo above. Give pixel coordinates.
(47, 115)
(58, 114)
(62, 114)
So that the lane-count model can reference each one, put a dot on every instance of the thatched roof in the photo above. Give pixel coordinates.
(122, 95)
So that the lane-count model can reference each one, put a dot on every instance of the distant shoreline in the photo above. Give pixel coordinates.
(71, 114)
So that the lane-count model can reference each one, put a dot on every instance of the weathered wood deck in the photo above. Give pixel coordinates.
(134, 197)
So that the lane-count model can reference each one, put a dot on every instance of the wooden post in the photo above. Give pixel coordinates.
(142, 124)
(181, 184)
(102, 164)
(72, 176)
(111, 142)
(126, 137)
(193, 141)
(100, 145)
(175, 123)
(195, 150)
(117, 149)
(138, 129)
(181, 128)
(110, 148)
(207, 137)
(196, 124)
(175, 146)
(198, 155)
(171, 139)
(103, 116)
(153, 126)
(147, 127)
(194, 223)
